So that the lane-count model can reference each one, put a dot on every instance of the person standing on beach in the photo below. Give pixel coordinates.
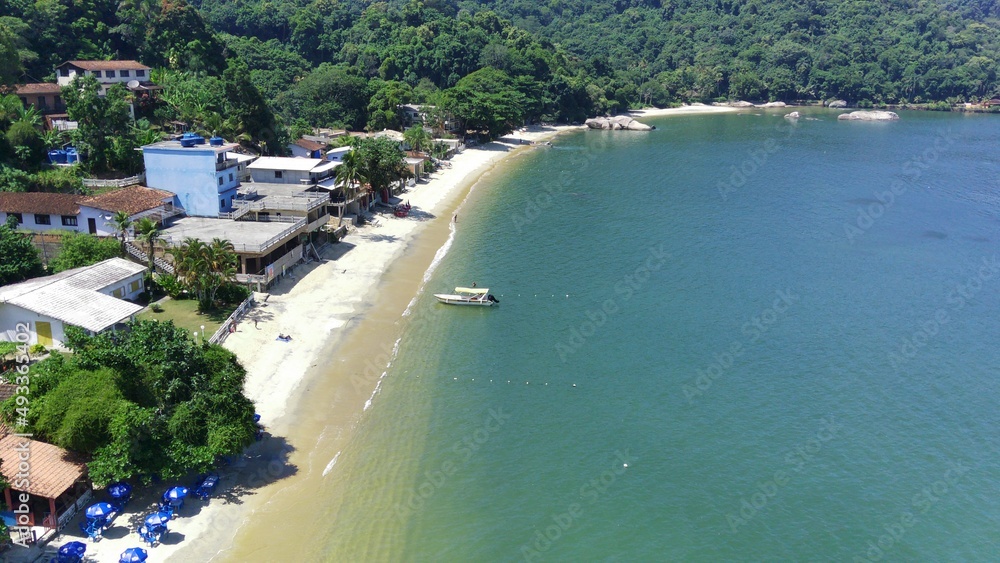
(454, 219)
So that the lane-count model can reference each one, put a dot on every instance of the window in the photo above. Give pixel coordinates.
(69, 221)
(24, 101)
(64, 71)
(58, 101)
(277, 173)
(222, 204)
(110, 74)
(230, 176)
(97, 74)
(220, 180)
(16, 216)
(140, 73)
(119, 293)
(124, 74)
(41, 102)
(42, 219)
(134, 286)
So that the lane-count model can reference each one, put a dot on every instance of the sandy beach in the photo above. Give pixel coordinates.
(318, 304)
(344, 316)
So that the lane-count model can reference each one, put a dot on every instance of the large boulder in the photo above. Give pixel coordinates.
(741, 104)
(868, 116)
(772, 105)
(617, 123)
(793, 115)
(837, 104)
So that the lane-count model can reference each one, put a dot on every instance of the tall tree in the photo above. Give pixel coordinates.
(487, 101)
(350, 177)
(19, 260)
(82, 249)
(417, 138)
(101, 119)
(148, 231)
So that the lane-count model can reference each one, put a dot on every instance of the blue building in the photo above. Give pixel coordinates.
(204, 176)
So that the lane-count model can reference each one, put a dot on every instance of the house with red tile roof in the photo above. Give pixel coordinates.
(45, 97)
(44, 212)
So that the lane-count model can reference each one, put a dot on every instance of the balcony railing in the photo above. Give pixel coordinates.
(226, 163)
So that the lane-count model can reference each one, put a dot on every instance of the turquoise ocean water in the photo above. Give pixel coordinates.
(787, 331)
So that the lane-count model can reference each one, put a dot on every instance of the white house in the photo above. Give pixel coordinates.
(93, 298)
(305, 148)
(43, 212)
(106, 72)
(284, 170)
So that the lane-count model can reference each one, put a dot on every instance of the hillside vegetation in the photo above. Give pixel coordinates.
(348, 63)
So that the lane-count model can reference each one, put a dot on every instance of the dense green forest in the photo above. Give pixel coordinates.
(263, 68)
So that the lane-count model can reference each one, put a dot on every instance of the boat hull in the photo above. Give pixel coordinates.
(460, 300)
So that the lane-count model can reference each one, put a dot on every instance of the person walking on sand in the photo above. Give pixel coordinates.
(255, 324)
(454, 219)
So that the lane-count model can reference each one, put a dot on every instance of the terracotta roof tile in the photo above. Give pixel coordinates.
(106, 65)
(131, 200)
(310, 145)
(40, 202)
(38, 88)
(7, 390)
(53, 469)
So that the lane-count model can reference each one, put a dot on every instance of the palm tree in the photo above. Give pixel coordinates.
(349, 173)
(418, 138)
(121, 223)
(148, 231)
(30, 115)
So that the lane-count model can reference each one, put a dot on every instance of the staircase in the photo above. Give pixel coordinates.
(141, 257)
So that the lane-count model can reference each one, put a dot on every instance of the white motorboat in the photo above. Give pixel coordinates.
(468, 296)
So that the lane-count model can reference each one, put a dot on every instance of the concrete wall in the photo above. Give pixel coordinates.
(130, 288)
(11, 315)
(190, 173)
(55, 222)
(287, 176)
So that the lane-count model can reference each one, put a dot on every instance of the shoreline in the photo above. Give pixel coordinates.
(347, 309)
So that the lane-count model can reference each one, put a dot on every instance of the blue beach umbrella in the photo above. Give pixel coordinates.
(133, 555)
(119, 490)
(176, 493)
(99, 510)
(72, 551)
(157, 519)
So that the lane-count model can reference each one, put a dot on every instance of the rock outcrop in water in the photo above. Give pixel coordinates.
(772, 105)
(741, 104)
(793, 115)
(868, 116)
(617, 123)
(837, 104)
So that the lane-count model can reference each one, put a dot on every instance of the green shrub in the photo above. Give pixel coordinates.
(171, 285)
(156, 307)
(232, 293)
(37, 349)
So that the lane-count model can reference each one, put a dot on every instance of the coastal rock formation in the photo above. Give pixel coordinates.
(617, 123)
(772, 105)
(837, 104)
(741, 104)
(793, 115)
(868, 116)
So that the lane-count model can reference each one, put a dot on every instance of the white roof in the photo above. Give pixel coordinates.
(326, 167)
(284, 163)
(240, 157)
(73, 296)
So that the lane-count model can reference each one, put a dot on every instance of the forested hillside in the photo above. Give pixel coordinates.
(350, 62)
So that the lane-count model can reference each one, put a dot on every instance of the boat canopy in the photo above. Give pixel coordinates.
(473, 290)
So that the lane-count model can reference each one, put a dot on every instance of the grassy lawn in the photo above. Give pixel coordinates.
(185, 315)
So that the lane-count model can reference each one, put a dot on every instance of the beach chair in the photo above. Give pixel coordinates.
(94, 528)
(151, 536)
(167, 507)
